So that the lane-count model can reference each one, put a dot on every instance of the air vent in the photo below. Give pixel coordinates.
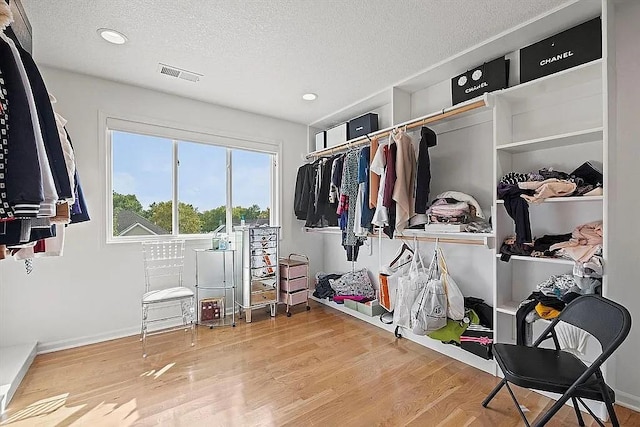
(172, 71)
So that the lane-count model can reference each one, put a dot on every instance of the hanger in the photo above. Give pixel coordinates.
(404, 249)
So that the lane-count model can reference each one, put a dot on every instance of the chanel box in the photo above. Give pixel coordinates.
(490, 76)
(575, 46)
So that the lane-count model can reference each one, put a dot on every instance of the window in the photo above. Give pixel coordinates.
(174, 187)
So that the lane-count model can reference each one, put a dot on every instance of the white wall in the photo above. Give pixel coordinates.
(624, 203)
(93, 291)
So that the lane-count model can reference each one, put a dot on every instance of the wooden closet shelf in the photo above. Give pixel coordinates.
(444, 114)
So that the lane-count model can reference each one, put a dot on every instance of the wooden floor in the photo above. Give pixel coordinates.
(315, 368)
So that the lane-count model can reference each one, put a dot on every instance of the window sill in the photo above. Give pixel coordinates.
(141, 239)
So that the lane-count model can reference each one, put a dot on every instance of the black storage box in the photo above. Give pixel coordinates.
(477, 340)
(490, 76)
(575, 46)
(363, 125)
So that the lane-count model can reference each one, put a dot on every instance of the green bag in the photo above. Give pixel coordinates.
(454, 328)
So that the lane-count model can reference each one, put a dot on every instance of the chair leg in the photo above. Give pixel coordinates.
(515, 401)
(594, 416)
(192, 320)
(578, 414)
(611, 410)
(552, 411)
(145, 312)
(495, 391)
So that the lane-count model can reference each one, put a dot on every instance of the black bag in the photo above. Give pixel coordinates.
(483, 310)
(589, 174)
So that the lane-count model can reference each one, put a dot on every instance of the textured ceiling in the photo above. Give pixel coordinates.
(261, 56)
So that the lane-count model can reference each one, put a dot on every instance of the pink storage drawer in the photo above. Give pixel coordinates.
(293, 271)
(294, 298)
(293, 284)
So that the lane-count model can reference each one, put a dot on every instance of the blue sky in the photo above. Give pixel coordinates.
(142, 166)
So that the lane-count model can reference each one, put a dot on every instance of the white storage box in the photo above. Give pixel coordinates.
(321, 142)
(337, 135)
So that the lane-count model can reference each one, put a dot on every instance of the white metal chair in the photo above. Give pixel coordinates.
(163, 267)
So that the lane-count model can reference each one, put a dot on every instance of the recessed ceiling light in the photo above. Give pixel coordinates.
(309, 96)
(112, 36)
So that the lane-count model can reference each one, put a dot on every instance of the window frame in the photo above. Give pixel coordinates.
(175, 133)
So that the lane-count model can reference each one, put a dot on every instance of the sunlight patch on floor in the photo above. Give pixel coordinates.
(41, 407)
(159, 372)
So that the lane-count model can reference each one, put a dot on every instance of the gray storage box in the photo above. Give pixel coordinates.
(349, 303)
(373, 308)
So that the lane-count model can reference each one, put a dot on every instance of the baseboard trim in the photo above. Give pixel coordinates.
(49, 347)
(628, 400)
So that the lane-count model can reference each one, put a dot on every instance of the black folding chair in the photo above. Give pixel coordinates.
(562, 372)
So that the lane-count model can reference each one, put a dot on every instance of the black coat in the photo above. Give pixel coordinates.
(23, 179)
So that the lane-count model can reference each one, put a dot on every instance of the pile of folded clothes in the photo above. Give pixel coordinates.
(549, 299)
(519, 189)
(583, 246)
(453, 211)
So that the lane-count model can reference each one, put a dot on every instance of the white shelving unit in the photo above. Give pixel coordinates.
(558, 121)
(15, 361)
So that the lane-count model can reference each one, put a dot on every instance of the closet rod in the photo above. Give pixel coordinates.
(377, 235)
(429, 118)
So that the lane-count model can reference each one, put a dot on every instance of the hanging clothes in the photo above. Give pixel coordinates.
(374, 178)
(47, 206)
(38, 176)
(48, 127)
(301, 194)
(378, 168)
(404, 188)
(423, 179)
(390, 154)
(23, 177)
(349, 193)
(67, 150)
(5, 208)
(326, 209)
(364, 214)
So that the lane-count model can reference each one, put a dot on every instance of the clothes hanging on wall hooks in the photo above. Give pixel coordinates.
(38, 175)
